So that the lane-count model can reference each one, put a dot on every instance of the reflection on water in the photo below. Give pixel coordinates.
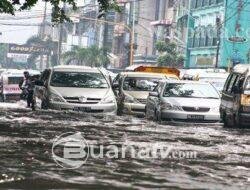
(223, 160)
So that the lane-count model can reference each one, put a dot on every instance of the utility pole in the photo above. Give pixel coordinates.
(218, 26)
(43, 33)
(132, 38)
(59, 52)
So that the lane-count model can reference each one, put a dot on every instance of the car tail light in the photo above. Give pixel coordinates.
(245, 100)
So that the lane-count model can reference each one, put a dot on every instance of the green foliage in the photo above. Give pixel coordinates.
(169, 55)
(91, 56)
(58, 13)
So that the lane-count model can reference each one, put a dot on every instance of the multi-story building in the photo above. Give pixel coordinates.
(181, 30)
(218, 33)
(204, 20)
(137, 16)
(236, 41)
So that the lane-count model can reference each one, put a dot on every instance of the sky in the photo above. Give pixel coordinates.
(19, 34)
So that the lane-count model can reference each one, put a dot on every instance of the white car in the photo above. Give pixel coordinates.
(76, 88)
(133, 89)
(9, 83)
(184, 101)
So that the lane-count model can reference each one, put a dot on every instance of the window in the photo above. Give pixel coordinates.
(14, 80)
(247, 86)
(233, 81)
(78, 80)
(189, 90)
(140, 84)
(227, 82)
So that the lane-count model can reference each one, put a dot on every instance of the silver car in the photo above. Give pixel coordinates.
(184, 101)
(76, 88)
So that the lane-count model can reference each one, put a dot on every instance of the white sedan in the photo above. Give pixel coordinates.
(184, 101)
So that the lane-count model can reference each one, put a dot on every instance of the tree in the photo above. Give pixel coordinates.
(58, 13)
(91, 56)
(169, 55)
(37, 41)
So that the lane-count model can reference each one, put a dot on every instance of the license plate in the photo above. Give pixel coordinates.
(196, 117)
(82, 109)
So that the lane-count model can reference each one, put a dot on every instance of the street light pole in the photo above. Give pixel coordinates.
(218, 25)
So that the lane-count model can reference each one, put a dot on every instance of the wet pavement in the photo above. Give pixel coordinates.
(26, 139)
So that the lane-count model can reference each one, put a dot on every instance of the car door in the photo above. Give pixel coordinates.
(229, 98)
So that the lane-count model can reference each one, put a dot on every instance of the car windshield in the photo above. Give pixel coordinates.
(78, 80)
(140, 83)
(190, 90)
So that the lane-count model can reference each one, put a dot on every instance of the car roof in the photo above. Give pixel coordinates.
(184, 82)
(242, 68)
(144, 74)
(17, 72)
(214, 75)
(76, 68)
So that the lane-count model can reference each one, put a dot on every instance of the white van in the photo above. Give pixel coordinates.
(76, 88)
(9, 84)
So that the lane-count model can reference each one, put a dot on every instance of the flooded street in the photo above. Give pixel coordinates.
(26, 139)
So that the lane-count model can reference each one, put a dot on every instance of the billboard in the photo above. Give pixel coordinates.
(28, 49)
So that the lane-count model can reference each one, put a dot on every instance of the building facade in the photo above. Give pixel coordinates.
(236, 38)
(205, 18)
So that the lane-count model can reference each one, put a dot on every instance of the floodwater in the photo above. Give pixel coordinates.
(26, 162)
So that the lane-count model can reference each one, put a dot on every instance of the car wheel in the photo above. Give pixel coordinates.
(237, 122)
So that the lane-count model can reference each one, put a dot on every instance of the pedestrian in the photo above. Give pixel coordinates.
(27, 85)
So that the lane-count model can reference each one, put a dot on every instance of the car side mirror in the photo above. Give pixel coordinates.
(115, 86)
(154, 94)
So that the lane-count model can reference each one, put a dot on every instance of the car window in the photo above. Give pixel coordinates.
(140, 83)
(227, 82)
(190, 90)
(78, 80)
(247, 86)
(233, 81)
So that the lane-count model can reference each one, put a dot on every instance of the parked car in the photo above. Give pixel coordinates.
(76, 88)
(235, 101)
(184, 101)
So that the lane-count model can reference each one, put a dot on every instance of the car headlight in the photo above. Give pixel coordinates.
(130, 99)
(215, 109)
(55, 98)
(108, 100)
(169, 106)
